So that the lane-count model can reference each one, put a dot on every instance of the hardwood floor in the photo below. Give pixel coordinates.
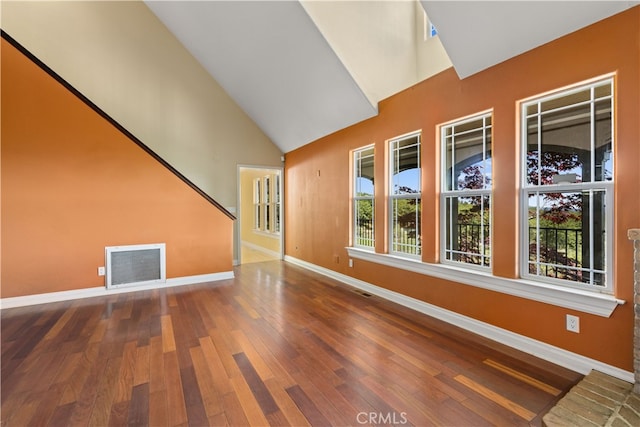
(250, 255)
(277, 345)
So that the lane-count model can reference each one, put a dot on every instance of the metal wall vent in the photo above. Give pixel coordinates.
(135, 265)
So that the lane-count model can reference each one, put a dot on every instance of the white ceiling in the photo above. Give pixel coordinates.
(274, 62)
(480, 34)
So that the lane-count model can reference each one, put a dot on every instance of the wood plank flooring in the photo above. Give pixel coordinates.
(250, 255)
(277, 346)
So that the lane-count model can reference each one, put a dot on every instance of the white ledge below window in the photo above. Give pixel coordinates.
(575, 299)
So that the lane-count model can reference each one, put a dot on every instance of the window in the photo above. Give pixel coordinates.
(266, 202)
(405, 196)
(568, 187)
(363, 198)
(257, 204)
(277, 202)
(268, 205)
(429, 29)
(432, 30)
(565, 201)
(466, 191)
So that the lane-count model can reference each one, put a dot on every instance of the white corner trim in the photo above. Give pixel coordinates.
(103, 291)
(553, 354)
(575, 299)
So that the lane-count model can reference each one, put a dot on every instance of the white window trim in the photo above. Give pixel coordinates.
(257, 204)
(390, 226)
(444, 193)
(263, 203)
(391, 197)
(277, 200)
(355, 197)
(266, 204)
(443, 228)
(429, 30)
(607, 186)
(575, 299)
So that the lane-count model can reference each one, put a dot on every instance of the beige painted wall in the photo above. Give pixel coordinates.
(430, 54)
(121, 56)
(381, 43)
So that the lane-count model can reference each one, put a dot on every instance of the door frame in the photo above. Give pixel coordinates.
(240, 214)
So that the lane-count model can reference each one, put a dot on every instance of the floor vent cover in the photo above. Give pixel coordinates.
(363, 293)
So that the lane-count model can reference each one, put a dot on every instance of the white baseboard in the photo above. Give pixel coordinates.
(553, 354)
(265, 251)
(200, 278)
(103, 291)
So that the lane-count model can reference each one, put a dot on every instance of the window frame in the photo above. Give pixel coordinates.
(607, 186)
(393, 197)
(277, 202)
(257, 204)
(355, 198)
(560, 295)
(446, 193)
(267, 204)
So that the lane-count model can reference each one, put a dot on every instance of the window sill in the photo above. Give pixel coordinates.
(575, 299)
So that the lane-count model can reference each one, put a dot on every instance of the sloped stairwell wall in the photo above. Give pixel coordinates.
(72, 183)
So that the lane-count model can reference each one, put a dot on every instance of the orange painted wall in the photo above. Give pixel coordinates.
(317, 206)
(73, 184)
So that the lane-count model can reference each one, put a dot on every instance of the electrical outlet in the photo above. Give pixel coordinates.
(573, 323)
(350, 262)
(100, 271)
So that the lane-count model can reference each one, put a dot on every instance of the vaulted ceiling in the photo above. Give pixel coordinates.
(304, 69)
(479, 34)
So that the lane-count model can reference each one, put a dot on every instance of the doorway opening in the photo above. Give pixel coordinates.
(260, 214)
